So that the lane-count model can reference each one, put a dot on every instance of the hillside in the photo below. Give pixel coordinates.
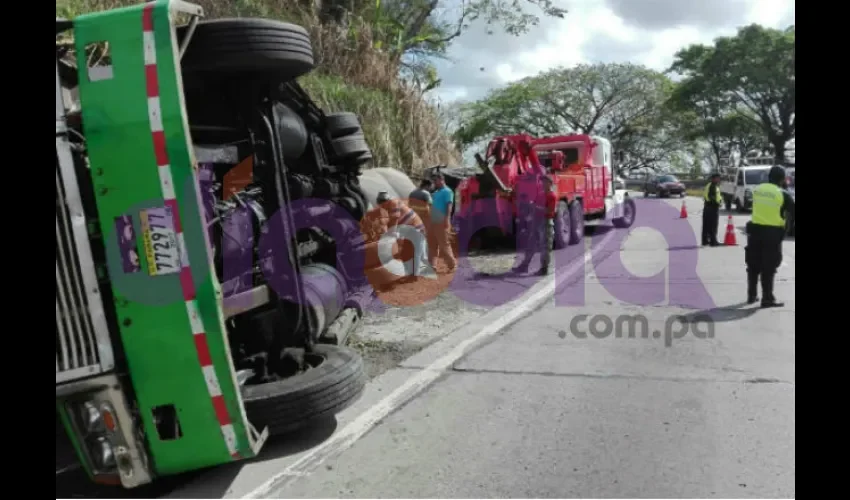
(351, 75)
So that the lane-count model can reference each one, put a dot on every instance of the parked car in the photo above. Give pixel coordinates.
(663, 186)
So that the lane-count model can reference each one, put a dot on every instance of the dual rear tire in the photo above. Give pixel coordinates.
(569, 224)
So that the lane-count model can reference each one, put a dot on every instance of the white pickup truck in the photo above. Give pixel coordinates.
(737, 185)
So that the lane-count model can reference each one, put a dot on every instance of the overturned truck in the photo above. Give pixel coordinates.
(209, 259)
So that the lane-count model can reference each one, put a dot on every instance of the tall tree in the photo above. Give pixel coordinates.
(622, 101)
(751, 77)
(428, 26)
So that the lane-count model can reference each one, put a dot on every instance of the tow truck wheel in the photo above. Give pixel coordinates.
(562, 226)
(576, 222)
(333, 380)
(248, 46)
(628, 217)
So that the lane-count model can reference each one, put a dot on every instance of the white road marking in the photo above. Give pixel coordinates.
(418, 382)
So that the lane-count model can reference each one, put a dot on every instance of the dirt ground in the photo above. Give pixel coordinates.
(413, 315)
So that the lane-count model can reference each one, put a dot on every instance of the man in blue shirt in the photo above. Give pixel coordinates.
(440, 230)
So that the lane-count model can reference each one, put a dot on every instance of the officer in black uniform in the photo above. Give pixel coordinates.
(536, 224)
(711, 211)
(765, 232)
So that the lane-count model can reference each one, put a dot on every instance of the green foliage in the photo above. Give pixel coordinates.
(740, 88)
(402, 128)
(413, 32)
(428, 26)
(622, 101)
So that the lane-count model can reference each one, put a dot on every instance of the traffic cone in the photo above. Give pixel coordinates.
(730, 239)
(684, 213)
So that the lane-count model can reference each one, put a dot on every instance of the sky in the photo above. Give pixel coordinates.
(647, 32)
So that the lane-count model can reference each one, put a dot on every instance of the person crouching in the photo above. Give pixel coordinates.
(404, 221)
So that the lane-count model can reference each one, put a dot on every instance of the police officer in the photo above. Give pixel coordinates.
(765, 233)
(537, 226)
(711, 211)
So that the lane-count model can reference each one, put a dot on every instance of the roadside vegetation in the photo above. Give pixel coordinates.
(375, 58)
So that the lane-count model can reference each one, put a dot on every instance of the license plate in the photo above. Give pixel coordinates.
(160, 241)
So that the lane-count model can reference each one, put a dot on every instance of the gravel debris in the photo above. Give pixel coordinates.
(416, 314)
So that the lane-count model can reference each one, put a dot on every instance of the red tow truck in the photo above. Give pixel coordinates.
(581, 166)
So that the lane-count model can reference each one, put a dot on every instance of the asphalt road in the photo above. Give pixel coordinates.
(518, 404)
(530, 414)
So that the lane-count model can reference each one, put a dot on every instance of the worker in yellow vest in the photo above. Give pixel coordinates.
(711, 211)
(765, 233)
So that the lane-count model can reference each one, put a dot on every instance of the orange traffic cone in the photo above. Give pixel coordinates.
(684, 212)
(730, 239)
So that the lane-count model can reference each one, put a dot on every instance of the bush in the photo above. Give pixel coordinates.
(402, 128)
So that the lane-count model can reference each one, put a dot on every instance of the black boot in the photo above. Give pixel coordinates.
(520, 269)
(752, 287)
(767, 290)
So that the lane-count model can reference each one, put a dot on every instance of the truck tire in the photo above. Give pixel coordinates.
(249, 46)
(362, 158)
(739, 205)
(576, 222)
(350, 146)
(728, 201)
(320, 392)
(342, 124)
(562, 226)
(628, 217)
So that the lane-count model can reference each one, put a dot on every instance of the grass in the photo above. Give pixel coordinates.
(694, 192)
(402, 128)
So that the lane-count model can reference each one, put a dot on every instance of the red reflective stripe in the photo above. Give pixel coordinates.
(159, 141)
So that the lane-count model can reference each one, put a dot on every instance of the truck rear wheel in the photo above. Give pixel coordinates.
(334, 381)
(249, 46)
(628, 217)
(350, 146)
(576, 222)
(343, 124)
(562, 226)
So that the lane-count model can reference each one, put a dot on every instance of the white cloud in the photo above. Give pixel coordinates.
(596, 31)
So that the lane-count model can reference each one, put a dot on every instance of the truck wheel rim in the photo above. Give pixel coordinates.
(577, 224)
(565, 224)
(628, 213)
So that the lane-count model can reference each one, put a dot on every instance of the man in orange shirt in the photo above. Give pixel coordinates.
(537, 222)
(407, 224)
